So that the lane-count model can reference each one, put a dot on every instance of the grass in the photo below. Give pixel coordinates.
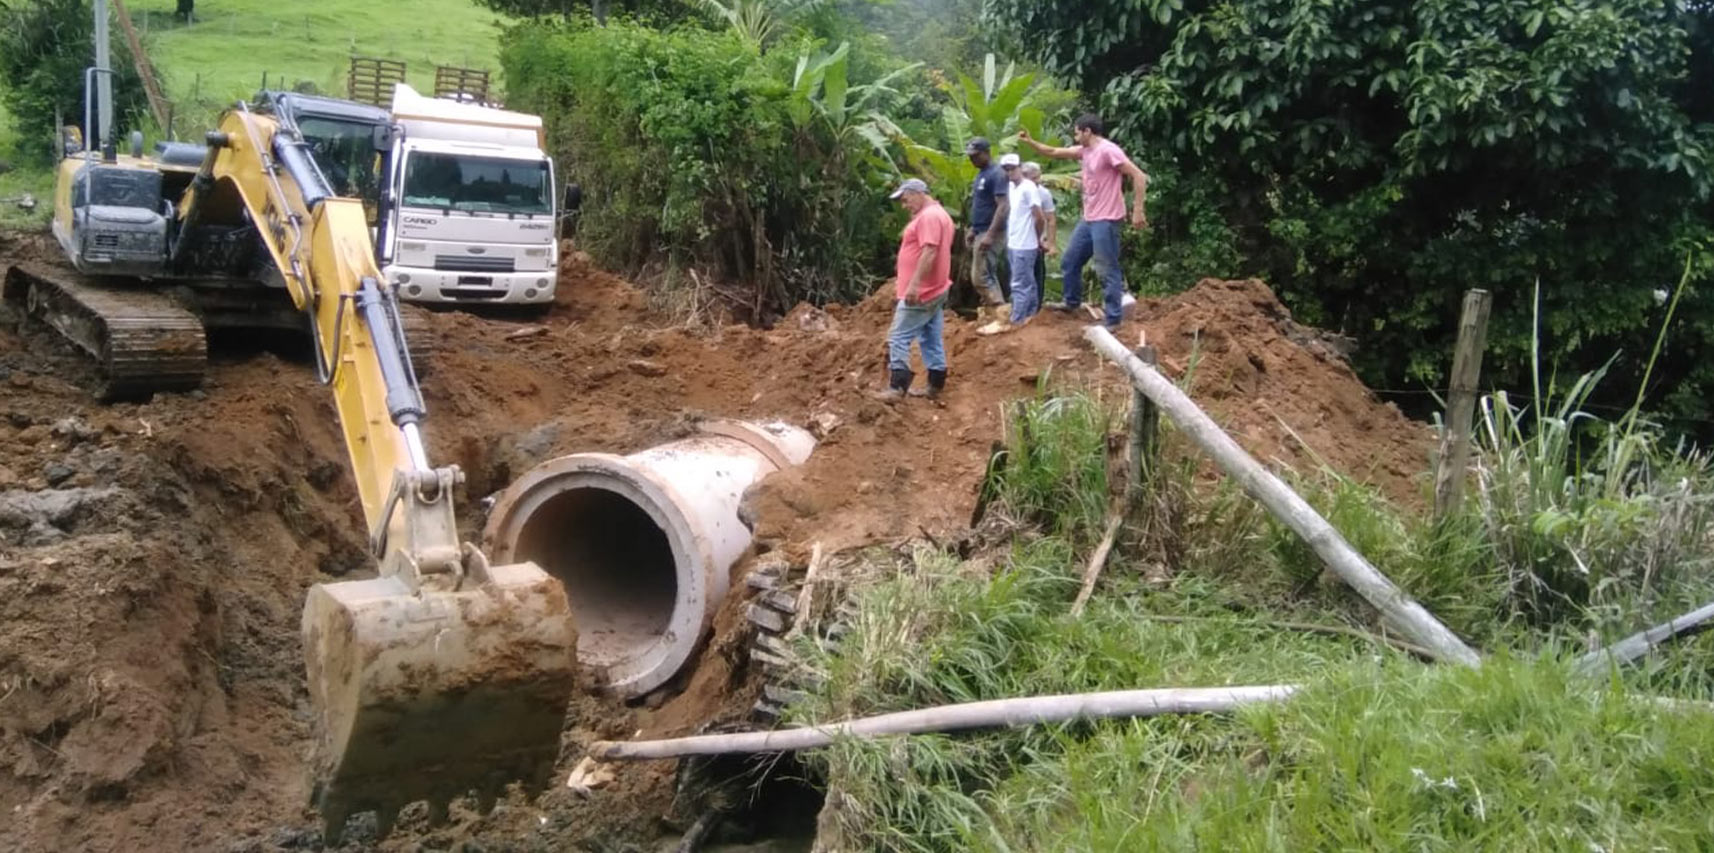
(1515, 756)
(1381, 751)
(22, 179)
(232, 44)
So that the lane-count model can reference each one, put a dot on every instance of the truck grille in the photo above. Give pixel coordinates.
(472, 263)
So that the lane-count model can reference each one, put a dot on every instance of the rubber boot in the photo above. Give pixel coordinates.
(898, 386)
(936, 384)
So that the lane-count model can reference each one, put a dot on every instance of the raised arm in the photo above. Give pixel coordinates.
(1048, 150)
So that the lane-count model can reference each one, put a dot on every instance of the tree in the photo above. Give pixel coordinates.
(186, 9)
(1372, 159)
(45, 45)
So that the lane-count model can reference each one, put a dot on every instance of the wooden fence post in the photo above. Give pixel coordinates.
(1144, 435)
(1454, 454)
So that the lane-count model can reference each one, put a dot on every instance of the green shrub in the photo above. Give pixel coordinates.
(45, 45)
(693, 149)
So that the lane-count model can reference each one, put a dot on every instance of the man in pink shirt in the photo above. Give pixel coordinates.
(923, 275)
(1097, 234)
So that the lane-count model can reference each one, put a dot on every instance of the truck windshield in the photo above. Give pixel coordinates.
(477, 184)
(345, 153)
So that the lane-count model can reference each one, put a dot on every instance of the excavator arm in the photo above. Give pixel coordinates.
(443, 675)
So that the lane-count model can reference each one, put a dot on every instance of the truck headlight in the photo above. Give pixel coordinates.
(538, 252)
(412, 247)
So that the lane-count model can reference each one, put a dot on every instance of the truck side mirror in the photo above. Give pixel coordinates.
(382, 138)
(569, 210)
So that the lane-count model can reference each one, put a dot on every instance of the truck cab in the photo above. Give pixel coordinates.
(473, 211)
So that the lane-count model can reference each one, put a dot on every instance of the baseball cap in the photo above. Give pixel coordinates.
(975, 145)
(1008, 160)
(911, 185)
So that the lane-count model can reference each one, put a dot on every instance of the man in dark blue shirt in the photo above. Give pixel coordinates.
(988, 209)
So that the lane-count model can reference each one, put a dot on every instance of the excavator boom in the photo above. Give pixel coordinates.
(443, 675)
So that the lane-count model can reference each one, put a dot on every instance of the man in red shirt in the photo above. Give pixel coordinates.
(1103, 212)
(923, 276)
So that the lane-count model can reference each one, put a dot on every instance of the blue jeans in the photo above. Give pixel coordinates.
(1101, 240)
(1026, 290)
(914, 323)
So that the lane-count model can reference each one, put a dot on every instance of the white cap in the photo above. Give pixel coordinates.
(1008, 160)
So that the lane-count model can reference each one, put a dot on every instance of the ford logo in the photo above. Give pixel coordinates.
(475, 250)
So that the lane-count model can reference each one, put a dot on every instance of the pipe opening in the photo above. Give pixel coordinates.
(617, 567)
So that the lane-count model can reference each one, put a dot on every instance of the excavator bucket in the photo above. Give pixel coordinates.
(426, 695)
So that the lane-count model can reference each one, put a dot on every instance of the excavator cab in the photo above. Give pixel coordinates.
(117, 219)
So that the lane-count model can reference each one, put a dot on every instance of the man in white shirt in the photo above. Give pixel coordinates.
(1050, 235)
(1025, 223)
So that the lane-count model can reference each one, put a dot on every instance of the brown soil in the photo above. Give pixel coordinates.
(153, 558)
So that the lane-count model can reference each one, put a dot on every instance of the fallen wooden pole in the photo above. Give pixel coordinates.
(1411, 618)
(1643, 642)
(970, 715)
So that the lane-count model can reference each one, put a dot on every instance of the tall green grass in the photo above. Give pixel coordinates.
(1592, 521)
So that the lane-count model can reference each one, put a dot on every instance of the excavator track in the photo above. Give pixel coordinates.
(142, 340)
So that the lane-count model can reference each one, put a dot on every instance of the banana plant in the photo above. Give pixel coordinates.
(821, 88)
(996, 108)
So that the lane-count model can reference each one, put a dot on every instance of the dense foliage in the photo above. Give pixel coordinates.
(45, 45)
(1374, 159)
(695, 148)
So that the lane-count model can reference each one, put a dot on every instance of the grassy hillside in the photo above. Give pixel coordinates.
(224, 54)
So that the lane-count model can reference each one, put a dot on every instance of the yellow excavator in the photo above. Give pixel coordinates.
(442, 676)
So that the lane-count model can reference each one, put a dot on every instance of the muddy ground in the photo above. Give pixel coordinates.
(154, 557)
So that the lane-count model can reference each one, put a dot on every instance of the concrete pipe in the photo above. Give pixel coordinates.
(645, 543)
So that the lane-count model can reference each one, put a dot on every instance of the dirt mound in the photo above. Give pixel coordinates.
(153, 557)
(1284, 390)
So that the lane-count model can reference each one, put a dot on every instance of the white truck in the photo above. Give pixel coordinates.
(470, 215)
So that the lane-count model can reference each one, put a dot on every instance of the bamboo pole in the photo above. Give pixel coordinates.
(1643, 642)
(1454, 455)
(1412, 620)
(947, 718)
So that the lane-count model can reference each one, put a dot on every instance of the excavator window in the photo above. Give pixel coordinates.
(345, 153)
(122, 187)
